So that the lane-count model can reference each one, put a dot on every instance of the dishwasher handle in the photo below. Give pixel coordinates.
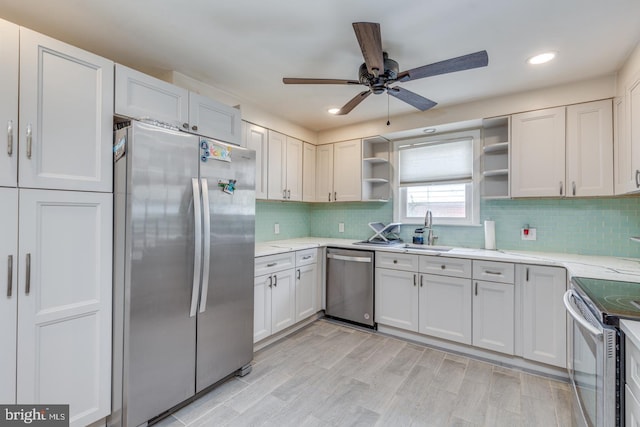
(349, 258)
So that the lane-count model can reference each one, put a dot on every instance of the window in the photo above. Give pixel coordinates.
(438, 173)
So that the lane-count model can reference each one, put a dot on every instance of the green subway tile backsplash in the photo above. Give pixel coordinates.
(582, 226)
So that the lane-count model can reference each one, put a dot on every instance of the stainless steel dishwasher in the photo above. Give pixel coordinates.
(350, 285)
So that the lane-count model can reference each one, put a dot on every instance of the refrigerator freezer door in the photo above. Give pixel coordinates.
(225, 323)
(159, 335)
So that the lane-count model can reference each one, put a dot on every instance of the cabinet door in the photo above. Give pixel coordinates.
(283, 300)
(277, 174)
(64, 308)
(493, 316)
(309, 173)
(293, 165)
(445, 307)
(262, 307)
(624, 176)
(8, 292)
(538, 153)
(306, 290)
(544, 328)
(590, 149)
(396, 298)
(347, 171)
(324, 173)
(66, 116)
(8, 104)
(213, 119)
(138, 95)
(256, 138)
(633, 129)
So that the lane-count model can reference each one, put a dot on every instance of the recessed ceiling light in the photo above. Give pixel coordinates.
(542, 58)
(333, 110)
(429, 130)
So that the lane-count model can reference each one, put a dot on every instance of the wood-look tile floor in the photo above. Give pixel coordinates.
(333, 375)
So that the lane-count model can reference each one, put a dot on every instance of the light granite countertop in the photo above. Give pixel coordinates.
(597, 267)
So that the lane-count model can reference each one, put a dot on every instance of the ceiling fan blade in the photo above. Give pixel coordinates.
(465, 62)
(411, 98)
(353, 103)
(303, 81)
(370, 40)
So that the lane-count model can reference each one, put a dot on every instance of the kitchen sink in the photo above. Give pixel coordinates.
(427, 248)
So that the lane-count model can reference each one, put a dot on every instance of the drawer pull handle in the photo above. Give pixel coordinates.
(270, 281)
(476, 291)
(307, 256)
(272, 264)
(415, 280)
(27, 281)
(9, 275)
(275, 280)
(29, 140)
(421, 280)
(495, 273)
(10, 138)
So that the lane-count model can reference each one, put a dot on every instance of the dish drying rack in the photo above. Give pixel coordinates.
(385, 234)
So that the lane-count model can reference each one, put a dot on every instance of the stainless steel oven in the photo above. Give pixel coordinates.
(593, 362)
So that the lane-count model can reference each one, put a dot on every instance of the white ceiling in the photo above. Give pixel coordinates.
(245, 47)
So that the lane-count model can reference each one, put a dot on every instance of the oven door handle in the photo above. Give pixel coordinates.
(577, 316)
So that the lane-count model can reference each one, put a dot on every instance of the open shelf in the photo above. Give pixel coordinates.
(495, 158)
(376, 169)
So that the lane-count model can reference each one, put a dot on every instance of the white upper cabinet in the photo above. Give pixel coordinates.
(257, 138)
(632, 133)
(211, 118)
(66, 116)
(324, 173)
(624, 172)
(590, 149)
(538, 153)
(140, 96)
(339, 172)
(309, 173)
(347, 171)
(285, 167)
(9, 34)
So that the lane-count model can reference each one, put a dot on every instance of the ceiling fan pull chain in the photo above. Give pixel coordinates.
(388, 121)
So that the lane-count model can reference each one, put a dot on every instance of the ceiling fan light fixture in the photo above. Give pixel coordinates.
(542, 58)
(333, 110)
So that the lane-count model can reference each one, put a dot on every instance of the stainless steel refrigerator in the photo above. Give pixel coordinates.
(183, 274)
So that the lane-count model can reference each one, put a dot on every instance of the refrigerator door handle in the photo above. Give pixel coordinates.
(197, 216)
(207, 245)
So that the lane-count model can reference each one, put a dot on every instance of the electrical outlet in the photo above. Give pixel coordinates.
(341, 227)
(276, 228)
(528, 233)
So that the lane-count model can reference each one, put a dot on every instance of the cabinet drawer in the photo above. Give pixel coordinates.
(272, 263)
(456, 267)
(503, 272)
(632, 408)
(632, 367)
(306, 257)
(395, 261)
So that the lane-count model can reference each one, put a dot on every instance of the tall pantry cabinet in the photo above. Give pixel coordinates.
(56, 224)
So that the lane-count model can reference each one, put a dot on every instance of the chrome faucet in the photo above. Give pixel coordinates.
(428, 223)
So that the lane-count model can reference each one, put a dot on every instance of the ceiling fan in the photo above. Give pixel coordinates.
(379, 71)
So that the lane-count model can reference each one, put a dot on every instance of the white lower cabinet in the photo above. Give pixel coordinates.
(493, 316)
(285, 292)
(396, 301)
(62, 351)
(544, 324)
(445, 307)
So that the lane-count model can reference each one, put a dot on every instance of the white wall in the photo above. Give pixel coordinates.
(571, 93)
(249, 111)
(629, 71)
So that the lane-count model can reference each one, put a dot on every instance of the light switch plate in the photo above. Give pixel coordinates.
(276, 228)
(341, 227)
(531, 235)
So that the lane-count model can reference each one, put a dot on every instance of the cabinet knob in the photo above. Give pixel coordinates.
(185, 125)
(443, 266)
(395, 261)
(194, 127)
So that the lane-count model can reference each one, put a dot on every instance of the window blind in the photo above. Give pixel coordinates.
(450, 161)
